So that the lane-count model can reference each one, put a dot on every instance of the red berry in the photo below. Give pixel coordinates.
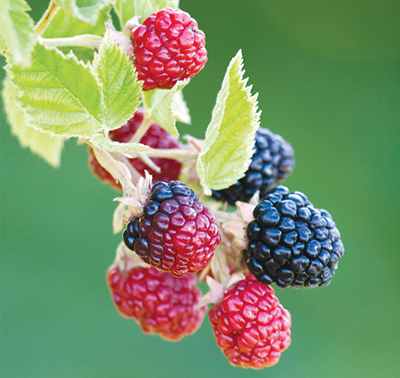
(155, 137)
(160, 303)
(176, 233)
(168, 47)
(250, 325)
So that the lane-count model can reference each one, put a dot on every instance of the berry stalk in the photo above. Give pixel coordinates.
(44, 22)
(85, 40)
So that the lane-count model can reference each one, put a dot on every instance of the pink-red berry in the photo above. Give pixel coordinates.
(168, 47)
(155, 137)
(176, 233)
(250, 325)
(160, 303)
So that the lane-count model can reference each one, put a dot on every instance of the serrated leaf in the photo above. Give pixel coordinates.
(64, 25)
(105, 144)
(126, 9)
(161, 107)
(229, 142)
(121, 88)
(17, 30)
(86, 10)
(46, 146)
(180, 109)
(59, 94)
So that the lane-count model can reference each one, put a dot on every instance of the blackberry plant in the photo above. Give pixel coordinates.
(119, 90)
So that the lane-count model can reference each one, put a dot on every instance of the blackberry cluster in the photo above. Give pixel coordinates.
(176, 233)
(291, 243)
(272, 161)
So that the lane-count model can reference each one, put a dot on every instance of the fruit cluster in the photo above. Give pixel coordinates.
(171, 237)
(209, 210)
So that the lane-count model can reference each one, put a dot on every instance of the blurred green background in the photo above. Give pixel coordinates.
(328, 74)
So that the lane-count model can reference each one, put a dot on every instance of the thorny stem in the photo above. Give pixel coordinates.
(86, 40)
(47, 17)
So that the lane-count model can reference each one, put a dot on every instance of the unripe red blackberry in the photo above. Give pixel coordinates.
(168, 47)
(291, 243)
(250, 325)
(160, 303)
(272, 161)
(155, 137)
(176, 233)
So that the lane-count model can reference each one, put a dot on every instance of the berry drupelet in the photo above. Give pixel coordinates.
(155, 137)
(168, 47)
(271, 162)
(291, 243)
(250, 325)
(176, 233)
(160, 303)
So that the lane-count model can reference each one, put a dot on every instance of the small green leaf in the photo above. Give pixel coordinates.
(161, 107)
(101, 142)
(64, 25)
(86, 10)
(46, 146)
(126, 9)
(229, 142)
(59, 94)
(180, 109)
(17, 30)
(121, 88)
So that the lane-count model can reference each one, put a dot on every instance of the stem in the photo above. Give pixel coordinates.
(47, 17)
(172, 153)
(86, 40)
(142, 130)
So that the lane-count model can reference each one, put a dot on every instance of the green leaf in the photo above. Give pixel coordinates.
(229, 142)
(103, 143)
(161, 106)
(126, 9)
(46, 146)
(17, 30)
(86, 10)
(59, 94)
(180, 109)
(121, 88)
(64, 25)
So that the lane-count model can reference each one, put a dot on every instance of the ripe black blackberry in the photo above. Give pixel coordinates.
(272, 161)
(291, 243)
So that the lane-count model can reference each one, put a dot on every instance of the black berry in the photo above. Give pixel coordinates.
(291, 243)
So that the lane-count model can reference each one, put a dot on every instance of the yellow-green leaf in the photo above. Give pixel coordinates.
(17, 30)
(59, 94)
(120, 86)
(229, 142)
(86, 10)
(41, 143)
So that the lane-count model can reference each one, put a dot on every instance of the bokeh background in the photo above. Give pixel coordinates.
(328, 74)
